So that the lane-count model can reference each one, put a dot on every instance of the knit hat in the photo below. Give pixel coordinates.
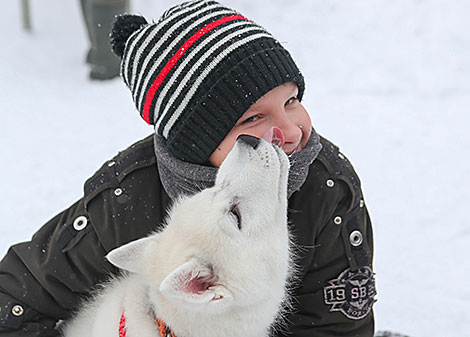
(197, 70)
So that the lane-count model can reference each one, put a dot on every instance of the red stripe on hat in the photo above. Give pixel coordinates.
(162, 75)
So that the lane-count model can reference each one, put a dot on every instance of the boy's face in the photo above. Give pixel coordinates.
(278, 108)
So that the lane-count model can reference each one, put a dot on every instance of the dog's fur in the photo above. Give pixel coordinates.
(204, 273)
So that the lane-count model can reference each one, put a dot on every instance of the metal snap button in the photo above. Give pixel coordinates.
(17, 310)
(338, 220)
(330, 183)
(355, 238)
(80, 223)
(118, 192)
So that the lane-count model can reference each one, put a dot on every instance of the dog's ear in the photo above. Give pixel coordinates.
(195, 283)
(129, 256)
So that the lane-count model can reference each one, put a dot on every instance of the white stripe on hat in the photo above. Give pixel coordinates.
(163, 54)
(164, 90)
(130, 84)
(197, 65)
(204, 74)
(157, 27)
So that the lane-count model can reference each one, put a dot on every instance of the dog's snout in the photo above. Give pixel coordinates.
(250, 140)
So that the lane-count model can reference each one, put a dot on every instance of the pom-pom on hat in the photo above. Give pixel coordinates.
(196, 71)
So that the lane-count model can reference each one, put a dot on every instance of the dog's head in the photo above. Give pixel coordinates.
(226, 246)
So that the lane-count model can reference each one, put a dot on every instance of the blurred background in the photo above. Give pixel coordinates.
(387, 81)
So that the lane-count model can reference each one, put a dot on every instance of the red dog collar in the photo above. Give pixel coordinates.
(164, 330)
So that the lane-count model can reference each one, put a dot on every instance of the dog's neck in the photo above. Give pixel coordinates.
(247, 324)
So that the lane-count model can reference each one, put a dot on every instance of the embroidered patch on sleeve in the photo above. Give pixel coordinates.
(352, 293)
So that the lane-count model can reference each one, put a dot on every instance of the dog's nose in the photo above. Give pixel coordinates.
(250, 140)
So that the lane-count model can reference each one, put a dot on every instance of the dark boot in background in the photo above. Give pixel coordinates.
(99, 16)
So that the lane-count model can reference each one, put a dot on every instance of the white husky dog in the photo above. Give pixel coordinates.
(218, 268)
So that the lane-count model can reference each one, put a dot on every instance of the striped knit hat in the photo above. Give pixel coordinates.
(197, 70)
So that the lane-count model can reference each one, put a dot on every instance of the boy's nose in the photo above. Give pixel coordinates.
(250, 140)
(291, 132)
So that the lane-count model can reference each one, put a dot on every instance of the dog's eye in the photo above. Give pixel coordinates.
(235, 211)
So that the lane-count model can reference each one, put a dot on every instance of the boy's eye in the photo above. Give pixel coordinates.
(290, 101)
(251, 119)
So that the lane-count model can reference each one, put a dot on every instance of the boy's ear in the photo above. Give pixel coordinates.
(130, 256)
(194, 282)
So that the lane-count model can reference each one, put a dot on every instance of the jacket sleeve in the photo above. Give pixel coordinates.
(43, 280)
(334, 249)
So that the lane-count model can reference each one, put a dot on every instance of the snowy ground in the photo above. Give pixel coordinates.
(388, 81)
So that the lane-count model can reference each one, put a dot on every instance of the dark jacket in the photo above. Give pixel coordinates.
(43, 280)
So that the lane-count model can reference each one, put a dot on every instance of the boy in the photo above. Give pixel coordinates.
(202, 75)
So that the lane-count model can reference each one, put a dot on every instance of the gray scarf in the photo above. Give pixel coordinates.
(179, 177)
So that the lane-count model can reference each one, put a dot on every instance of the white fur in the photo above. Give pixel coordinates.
(201, 274)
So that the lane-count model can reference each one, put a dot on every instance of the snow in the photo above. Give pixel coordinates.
(388, 81)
